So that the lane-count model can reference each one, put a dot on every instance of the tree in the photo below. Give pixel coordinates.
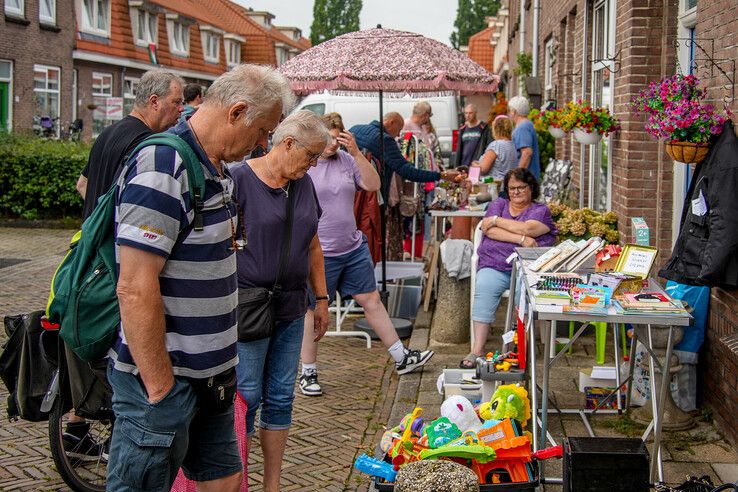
(332, 18)
(471, 17)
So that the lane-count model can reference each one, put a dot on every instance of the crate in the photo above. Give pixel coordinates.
(594, 464)
(453, 384)
(531, 486)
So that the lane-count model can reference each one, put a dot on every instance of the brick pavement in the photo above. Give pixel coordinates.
(328, 431)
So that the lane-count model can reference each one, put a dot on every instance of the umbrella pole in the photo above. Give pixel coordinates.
(384, 295)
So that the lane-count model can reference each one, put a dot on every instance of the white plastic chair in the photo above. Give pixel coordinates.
(474, 261)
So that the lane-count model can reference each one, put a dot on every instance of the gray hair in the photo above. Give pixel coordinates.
(304, 126)
(260, 87)
(421, 108)
(155, 82)
(520, 105)
(470, 107)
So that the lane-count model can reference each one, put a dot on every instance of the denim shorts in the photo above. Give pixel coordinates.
(152, 441)
(349, 274)
(266, 372)
(488, 289)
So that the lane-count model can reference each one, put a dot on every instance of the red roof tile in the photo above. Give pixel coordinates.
(480, 49)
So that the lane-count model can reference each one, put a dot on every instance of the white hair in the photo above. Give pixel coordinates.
(471, 107)
(520, 105)
(260, 87)
(304, 126)
(155, 82)
(421, 108)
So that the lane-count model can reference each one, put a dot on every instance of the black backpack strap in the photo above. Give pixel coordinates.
(195, 176)
(287, 240)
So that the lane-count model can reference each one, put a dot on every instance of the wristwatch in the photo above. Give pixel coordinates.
(321, 298)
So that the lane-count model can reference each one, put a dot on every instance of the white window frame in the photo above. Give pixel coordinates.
(51, 17)
(129, 90)
(549, 61)
(210, 46)
(102, 76)
(57, 91)
(178, 32)
(17, 8)
(9, 80)
(233, 52)
(607, 67)
(84, 17)
(147, 37)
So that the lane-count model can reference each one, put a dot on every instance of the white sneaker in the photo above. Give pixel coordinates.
(413, 359)
(309, 384)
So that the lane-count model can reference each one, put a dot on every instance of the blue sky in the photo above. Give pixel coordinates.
(432, 18)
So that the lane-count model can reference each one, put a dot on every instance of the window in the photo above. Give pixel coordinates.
(47, 11)
(6, 95)
(233, 53)
(145, 27)
(690, 4)
(211, 47)
(129, 94)
(603, 67)
(46, 81)
(179, 38)
(548, 69)
(14, 7)
(282, 56)
(94, 16)
(102, 88)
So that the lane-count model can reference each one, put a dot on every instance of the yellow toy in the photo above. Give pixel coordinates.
(508, 401)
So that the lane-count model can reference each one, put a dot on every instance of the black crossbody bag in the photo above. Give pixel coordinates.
(256, 305)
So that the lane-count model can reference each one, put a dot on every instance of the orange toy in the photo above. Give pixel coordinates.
(513, 453)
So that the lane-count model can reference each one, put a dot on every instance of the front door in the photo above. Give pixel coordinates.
(4, 105)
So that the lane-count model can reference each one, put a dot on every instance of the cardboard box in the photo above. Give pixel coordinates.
(598, 376)
(641, 232)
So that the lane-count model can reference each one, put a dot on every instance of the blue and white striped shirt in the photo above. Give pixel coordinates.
(198, 282)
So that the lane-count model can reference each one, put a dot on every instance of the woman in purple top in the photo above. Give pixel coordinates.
(507, 225)
(349, 268)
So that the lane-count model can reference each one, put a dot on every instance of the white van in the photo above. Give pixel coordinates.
(360, 110)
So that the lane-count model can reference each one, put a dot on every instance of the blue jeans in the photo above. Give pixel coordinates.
(488, 289)
(266, 372)
(152, 441)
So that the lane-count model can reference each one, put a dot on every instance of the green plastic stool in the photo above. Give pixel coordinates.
(600, 339)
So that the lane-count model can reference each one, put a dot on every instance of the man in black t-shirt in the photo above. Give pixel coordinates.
(158, 104)
(473, 137)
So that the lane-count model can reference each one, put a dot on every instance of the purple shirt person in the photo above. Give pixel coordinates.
(508, 224)
(349, 268)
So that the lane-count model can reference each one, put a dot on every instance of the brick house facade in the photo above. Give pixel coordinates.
(36, 42)
(605, 51)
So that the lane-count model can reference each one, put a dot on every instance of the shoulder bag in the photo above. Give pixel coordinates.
(256, 305)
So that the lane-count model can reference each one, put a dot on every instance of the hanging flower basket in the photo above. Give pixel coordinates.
(587, 138)
(687, 152)
(556, 133)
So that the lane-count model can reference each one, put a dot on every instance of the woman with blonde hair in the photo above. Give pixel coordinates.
(500, 155)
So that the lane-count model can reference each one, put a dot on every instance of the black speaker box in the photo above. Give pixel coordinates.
(596, 464)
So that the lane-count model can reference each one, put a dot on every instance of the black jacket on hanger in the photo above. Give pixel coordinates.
(706, 250)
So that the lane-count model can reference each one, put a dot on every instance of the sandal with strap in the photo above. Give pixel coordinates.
(469, 362)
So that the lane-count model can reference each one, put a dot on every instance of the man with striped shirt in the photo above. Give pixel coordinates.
(177, 290)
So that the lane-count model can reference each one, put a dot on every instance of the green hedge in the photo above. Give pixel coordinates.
(38, 176)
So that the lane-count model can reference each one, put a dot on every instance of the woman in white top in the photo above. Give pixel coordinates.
(500, 156)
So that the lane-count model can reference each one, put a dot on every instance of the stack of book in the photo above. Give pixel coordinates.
(567, 256)
(647, 304)
(552, 297)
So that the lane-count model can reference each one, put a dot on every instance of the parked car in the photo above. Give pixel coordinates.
(357, 110)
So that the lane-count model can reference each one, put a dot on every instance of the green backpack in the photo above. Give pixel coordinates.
(83, 296)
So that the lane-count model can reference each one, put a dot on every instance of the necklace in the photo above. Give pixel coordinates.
(236, 244)
(286, 190)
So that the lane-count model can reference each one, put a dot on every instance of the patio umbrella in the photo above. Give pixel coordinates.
(386, 60)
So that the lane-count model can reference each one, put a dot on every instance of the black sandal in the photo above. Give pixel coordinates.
(469, 362)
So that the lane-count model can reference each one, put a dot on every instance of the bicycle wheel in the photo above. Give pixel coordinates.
(83, 464)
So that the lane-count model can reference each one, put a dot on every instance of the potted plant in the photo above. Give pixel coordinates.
(676, 114)
(589, 124)
(583, 223)
(551, 119)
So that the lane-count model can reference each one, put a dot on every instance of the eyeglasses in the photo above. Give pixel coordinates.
(516, 189)
(312, 157)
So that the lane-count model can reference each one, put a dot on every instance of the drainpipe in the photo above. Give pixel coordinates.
(522, 42)
(585, 67)
(536, 13)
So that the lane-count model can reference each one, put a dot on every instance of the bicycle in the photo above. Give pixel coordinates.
(80, 389)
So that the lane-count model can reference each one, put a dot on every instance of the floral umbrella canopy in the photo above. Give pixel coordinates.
(389, 61)
(386, 60)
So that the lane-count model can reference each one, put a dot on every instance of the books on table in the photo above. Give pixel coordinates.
(645, 303)
(552, 297)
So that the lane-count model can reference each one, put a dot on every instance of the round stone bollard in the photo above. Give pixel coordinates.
(451, 317)
(436, 475)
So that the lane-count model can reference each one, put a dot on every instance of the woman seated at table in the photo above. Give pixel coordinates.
(508, 224)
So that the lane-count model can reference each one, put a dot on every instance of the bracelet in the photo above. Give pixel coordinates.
(494, 220)
(321, 298)
(522, 240)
